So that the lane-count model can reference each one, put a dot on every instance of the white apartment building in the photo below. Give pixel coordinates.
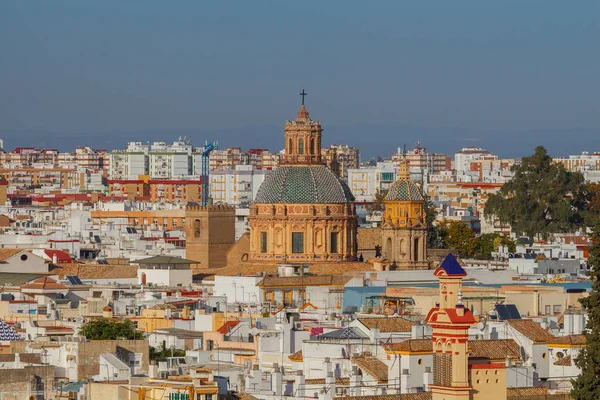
(170, 161)
(463, 158)
(238, 186)
(130, 163)
(366, 182)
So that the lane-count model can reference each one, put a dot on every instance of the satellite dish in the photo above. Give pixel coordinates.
(481, 326)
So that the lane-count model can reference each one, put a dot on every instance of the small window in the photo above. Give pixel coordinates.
(301, 146)
(263, 242)
(297, 242)
(211, 345)
(24, 257)
(544, 355)
(420, 362)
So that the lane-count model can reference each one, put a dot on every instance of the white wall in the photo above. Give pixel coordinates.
(166, 277)
(30, 264)
(238, 288)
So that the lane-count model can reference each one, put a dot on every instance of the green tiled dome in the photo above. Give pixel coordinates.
(304, 184)
(404, 190)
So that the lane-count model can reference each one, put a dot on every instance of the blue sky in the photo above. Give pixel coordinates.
(82, 66)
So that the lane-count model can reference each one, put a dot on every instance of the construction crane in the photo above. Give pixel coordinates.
(206, 150)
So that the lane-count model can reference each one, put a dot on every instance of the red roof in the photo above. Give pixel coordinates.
(175, 182)
(61, 256)
(227, 326)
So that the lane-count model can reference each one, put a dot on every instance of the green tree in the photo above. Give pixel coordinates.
(378, 203)
(488, 243)
(162, 352)
(460, 237)
(435, 239)
(107, 329)
(587, 385)
(542, 198)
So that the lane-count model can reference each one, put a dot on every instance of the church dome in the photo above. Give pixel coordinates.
(307, 184)
(404, 190)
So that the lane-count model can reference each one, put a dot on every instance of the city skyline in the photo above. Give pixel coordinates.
(448, 76)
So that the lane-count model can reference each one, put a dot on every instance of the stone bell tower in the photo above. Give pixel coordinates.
(302, 138)
(450, 321)
(209, 234)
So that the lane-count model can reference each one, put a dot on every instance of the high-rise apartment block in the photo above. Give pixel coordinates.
(463, 158)
(421, 162)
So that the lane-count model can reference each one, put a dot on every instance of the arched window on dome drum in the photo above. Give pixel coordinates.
(297, 242)
(312, 146)
(333, 242)
(290, 147)
(388, 248)
(301, 146)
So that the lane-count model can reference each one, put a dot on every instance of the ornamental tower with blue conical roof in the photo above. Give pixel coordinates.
(450, 320)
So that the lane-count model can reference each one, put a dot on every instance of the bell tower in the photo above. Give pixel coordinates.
(450, 321)
(302, 138)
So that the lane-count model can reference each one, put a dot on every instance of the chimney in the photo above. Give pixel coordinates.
(300, 386)
(374, 335)
(427, 379)
(17, 360)
(54, 259)
(355, 382)
(276, 380)
(330, 387)
(404, 381)
(326, 367)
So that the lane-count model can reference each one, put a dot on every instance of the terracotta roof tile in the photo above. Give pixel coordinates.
(564, 362)
(321, 268)
(531, 330)
(411, 346)
(390, 324)
(297, 356)
(496, 349)
(95, 271)
(45, 283)
(575, 340)
(512, 393)
(5, 254)
(227, 326)
(321, 280)
(372, 366)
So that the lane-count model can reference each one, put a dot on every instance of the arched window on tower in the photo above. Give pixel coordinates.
(301, 146)
(197, 228)
(290, 147)
(312, 146)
